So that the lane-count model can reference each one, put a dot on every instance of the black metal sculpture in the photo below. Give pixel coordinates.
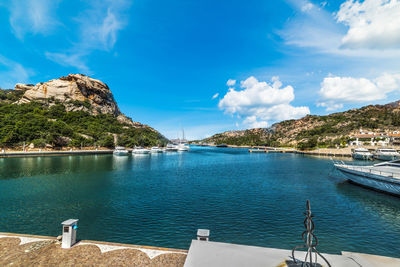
(310, 240)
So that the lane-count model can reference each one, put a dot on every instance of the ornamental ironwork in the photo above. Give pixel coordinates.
(310, 242)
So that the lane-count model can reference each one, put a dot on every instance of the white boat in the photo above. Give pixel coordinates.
(361, 153)
(140, 150)
(120, 151)
(156, 149)
(183, 147)
(384, 177)
(171, 148)
(386, 154)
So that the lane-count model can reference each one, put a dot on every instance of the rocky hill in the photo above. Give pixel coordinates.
(71, 90)
(312, 130)
(75, 110)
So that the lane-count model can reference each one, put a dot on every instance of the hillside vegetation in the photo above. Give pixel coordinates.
(47, 123)
(322, 131)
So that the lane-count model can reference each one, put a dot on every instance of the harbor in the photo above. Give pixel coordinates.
(160, 200)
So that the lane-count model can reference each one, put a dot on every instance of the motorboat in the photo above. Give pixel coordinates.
(140, 150)
(361, 153)
(384, 177)
(156, 149)
(171, 148)
(386, 154)
(120, 151)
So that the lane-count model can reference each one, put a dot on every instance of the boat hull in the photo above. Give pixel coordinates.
(373, 181)
(141, 152)
(386, 157)
(120, 153)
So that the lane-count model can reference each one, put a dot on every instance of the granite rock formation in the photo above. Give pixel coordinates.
(73, 89)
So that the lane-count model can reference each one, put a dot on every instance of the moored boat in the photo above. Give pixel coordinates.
(183, 147)
(384, 177)
(361, 153)
(386, 154)
(156, 149)
(171, 148)
(120, 151)
(140, 150)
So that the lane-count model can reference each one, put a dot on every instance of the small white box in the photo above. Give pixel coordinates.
(69, 233)
(203, 234)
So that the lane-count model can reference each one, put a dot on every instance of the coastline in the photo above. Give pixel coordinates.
(18, 249)
(40, 153)
(342, 152)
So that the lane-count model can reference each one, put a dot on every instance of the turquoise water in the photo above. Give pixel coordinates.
(161, 200)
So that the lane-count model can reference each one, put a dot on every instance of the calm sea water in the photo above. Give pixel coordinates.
(161, 200)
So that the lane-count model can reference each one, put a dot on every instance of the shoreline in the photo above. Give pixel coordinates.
(20, 249)
(11, 154)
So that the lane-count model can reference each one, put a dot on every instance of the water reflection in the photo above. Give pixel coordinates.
(384, 206)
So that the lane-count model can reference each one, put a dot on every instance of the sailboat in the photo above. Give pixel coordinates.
(182, 146)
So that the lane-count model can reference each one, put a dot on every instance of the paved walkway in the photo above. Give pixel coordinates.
(213, 254)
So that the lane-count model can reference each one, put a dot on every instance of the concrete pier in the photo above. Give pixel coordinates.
(215, 254)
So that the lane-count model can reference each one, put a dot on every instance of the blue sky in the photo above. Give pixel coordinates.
(210, 66)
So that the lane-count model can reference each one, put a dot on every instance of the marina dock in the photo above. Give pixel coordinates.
(291, 150)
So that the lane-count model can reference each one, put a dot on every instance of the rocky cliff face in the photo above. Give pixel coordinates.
(94, 95)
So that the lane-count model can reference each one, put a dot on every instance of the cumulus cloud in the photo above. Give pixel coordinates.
(32, 16)
(260, 102)
(215, 96)
(231, 82)
(336, 91)
(373, 24)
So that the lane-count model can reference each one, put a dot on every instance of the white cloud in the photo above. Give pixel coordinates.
(336, 91)
(32, 16)
(231, 82)
(215, 96)
(98, 27)
(312, 27)
(12, 72)
(261, 102)
(307, 7)
(74, 60)
(373, 24)
(370, 29)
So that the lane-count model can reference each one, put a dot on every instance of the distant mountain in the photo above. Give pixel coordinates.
(75, 110)
(312, 130)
